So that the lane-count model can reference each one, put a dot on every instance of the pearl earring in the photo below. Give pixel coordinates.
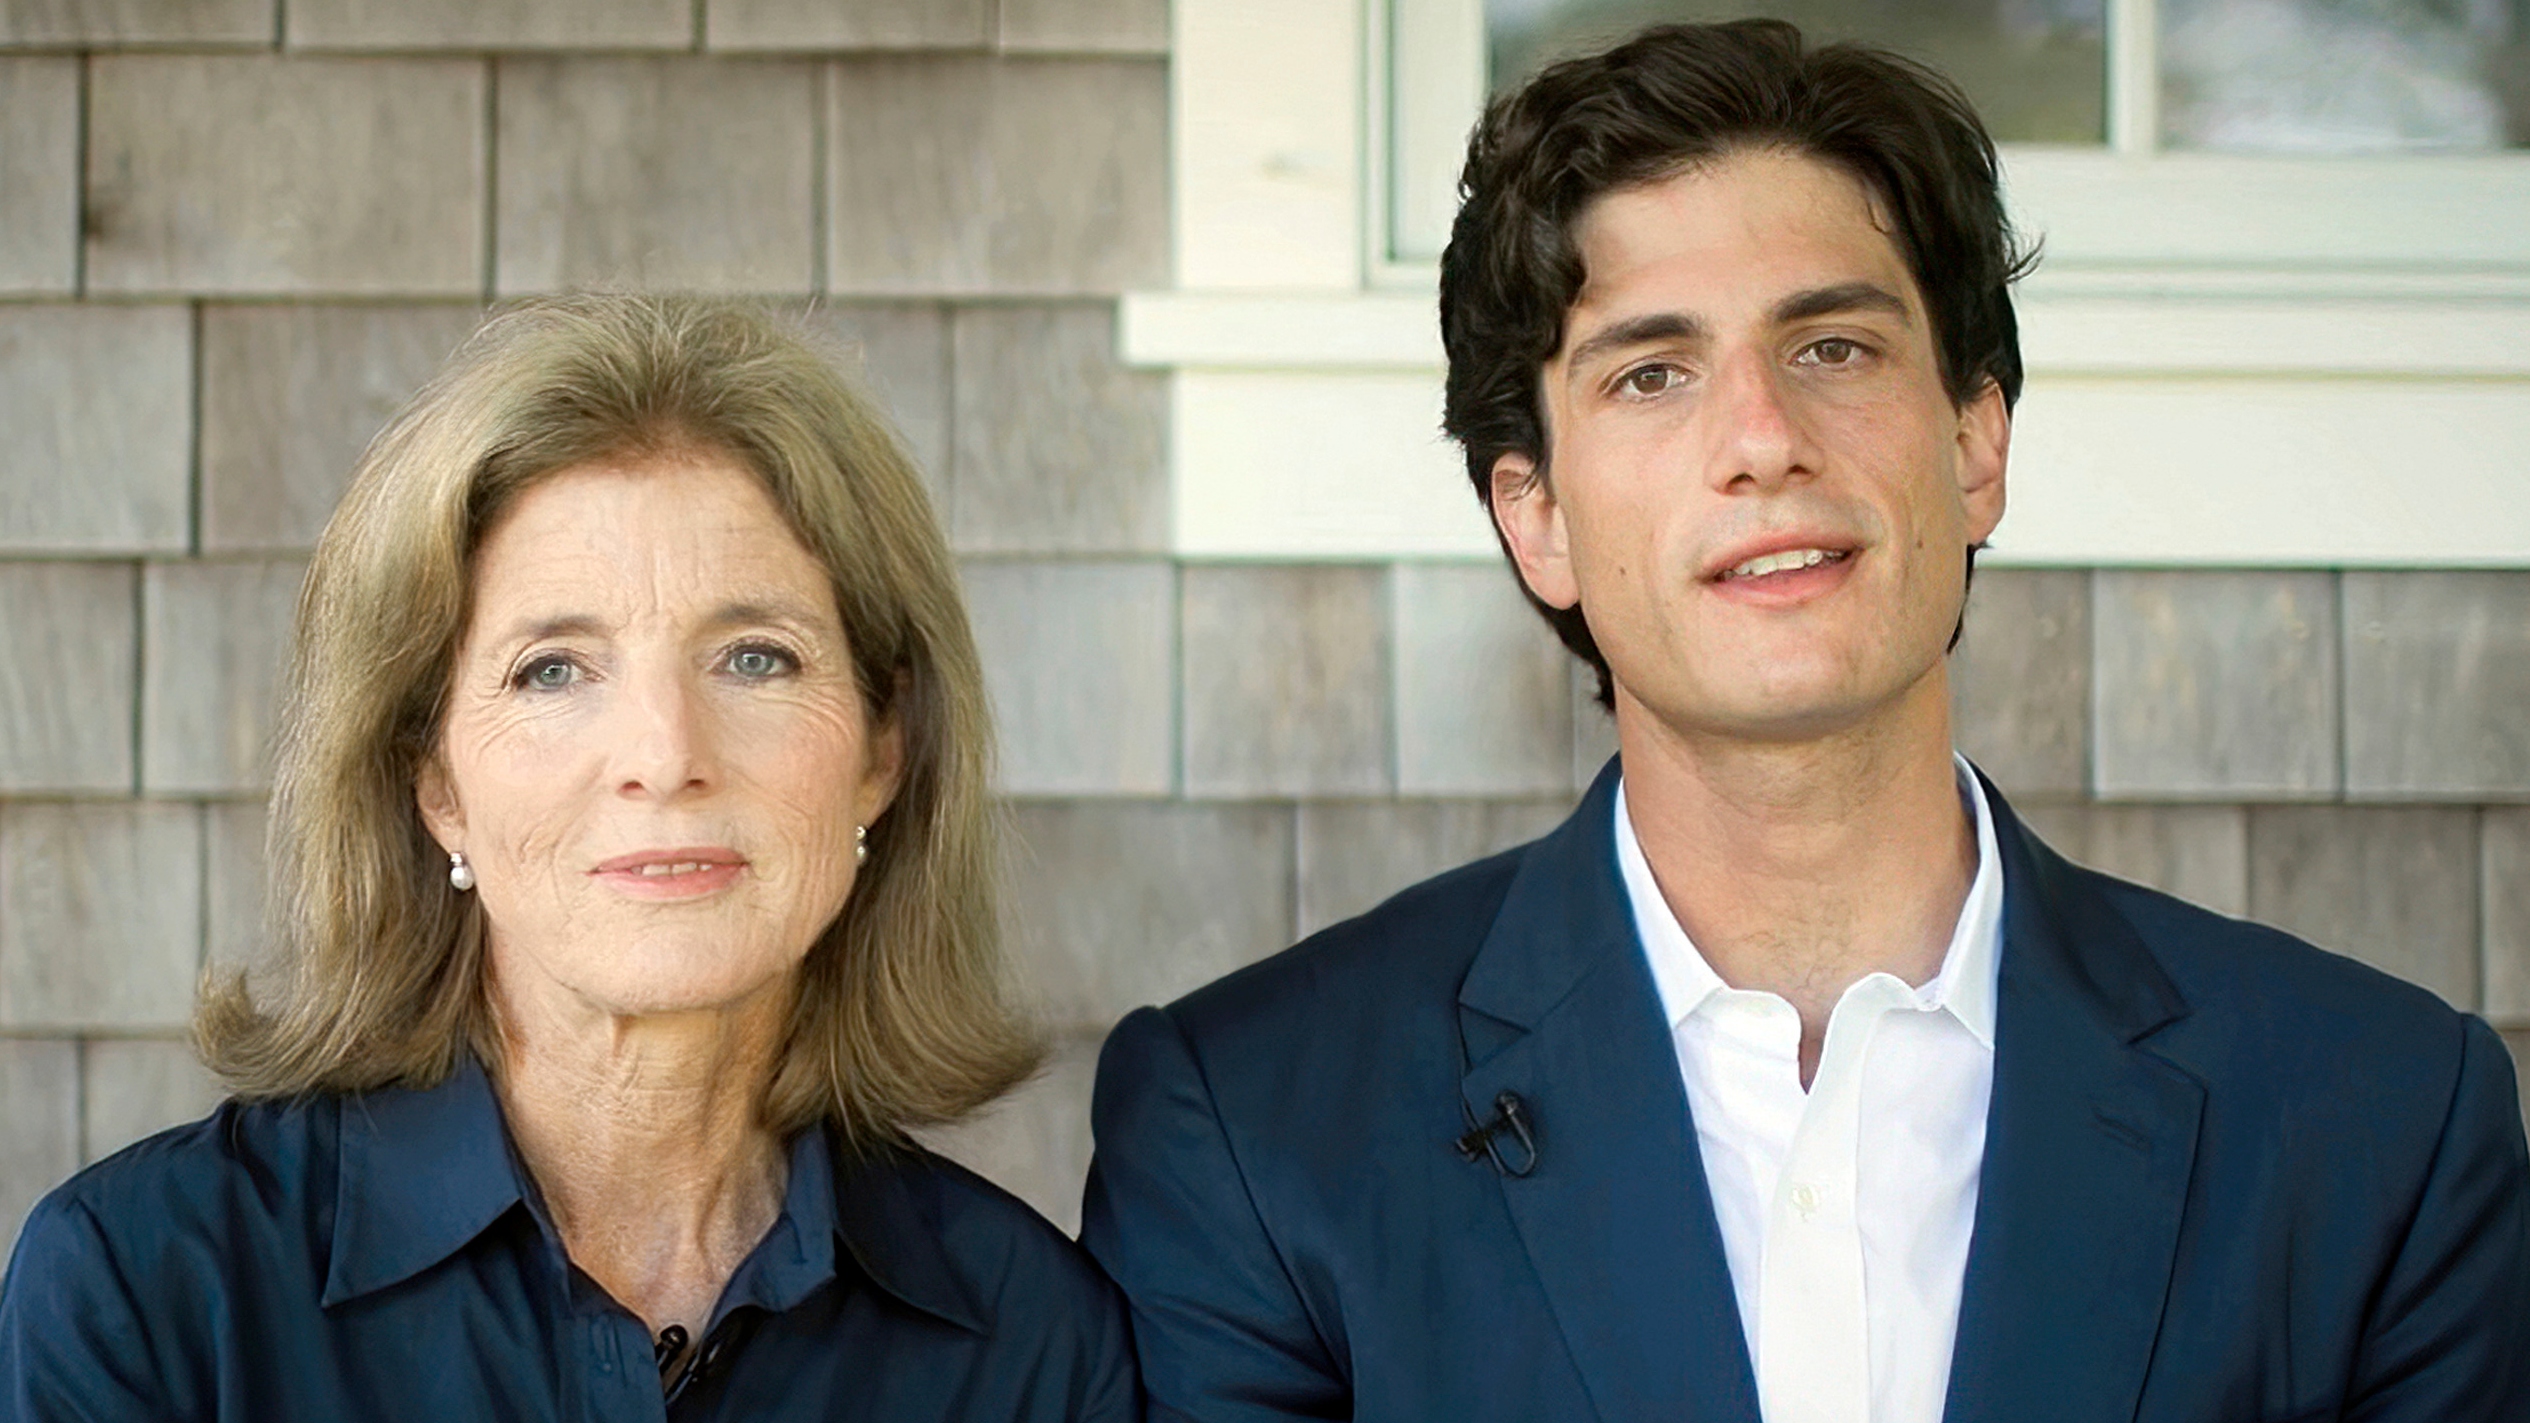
(860, 844)
(460, 874)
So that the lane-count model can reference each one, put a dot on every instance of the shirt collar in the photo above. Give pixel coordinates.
(1965, 983)
(888, 1214)
(798, 1254)
(424, 1172)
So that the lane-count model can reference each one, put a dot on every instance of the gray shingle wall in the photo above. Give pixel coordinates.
(227, 253)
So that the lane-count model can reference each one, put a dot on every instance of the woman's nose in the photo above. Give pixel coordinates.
(664, 737)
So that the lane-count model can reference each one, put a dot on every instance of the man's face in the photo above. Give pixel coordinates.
(1758, 489)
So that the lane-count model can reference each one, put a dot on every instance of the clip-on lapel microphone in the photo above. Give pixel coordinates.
(1482, 1141)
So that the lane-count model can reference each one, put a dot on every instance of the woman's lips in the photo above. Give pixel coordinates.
(684, 873)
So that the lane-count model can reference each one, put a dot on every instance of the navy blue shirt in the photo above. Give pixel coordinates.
(386, 1256)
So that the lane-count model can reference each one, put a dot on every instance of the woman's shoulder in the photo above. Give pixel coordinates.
(104, 1301)
(998, 1245)
(200, 1183)
(958, 1248)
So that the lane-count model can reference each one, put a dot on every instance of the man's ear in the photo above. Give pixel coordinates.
(436, 797)
(1532, 523)
(1985, 447)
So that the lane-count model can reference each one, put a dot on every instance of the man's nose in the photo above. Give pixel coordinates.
(1756, 438)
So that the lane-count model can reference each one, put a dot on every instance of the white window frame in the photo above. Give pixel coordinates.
(2124, 215)
(2234, 360)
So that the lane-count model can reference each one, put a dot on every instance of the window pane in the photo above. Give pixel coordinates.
(2037, 69)
(2345, 76)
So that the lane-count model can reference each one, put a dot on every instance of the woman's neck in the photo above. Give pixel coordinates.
(643, 1134)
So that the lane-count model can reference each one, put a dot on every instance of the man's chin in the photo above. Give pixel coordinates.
(1791, 725)
(1780, 711)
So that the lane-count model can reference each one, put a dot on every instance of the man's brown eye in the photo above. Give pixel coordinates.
(1650, 380)
(1834, 353)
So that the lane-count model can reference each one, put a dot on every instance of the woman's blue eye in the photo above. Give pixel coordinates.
(759, 662)
(548, 674)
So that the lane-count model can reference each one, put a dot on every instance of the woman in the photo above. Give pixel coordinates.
(631, 877)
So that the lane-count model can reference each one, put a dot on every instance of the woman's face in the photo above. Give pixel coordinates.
(655, 752)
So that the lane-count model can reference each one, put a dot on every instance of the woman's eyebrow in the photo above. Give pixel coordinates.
(743, 613)
(566, 625)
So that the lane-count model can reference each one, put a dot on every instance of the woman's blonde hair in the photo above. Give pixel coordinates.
(378, 965)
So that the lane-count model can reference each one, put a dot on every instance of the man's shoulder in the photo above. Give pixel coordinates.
(2263, 1004)
(2221, 963)
(1400, 958)
(1332, 1051)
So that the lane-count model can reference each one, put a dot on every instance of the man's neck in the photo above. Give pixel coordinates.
(1800, 867)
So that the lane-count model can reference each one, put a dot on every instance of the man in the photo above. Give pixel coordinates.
(1791, 1078)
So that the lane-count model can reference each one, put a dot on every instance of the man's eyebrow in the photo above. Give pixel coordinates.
(1839, 299)
(1678, 326)
(1634, 331)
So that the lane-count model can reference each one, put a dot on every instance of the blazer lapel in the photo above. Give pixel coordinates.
(2089, 1143)
(1559, 1007)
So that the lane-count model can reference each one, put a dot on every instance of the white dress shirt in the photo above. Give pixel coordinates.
(1845, 1210)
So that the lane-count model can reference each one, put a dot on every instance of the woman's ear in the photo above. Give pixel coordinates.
(435, 796)
(883, 760)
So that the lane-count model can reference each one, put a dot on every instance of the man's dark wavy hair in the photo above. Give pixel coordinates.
(1669, 98)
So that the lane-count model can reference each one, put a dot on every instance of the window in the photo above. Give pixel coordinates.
(2283, 316)
(2241, 76)
(2248, 146)
(2036, 69)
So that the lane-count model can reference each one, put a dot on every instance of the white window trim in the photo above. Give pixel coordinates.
(2232, 360)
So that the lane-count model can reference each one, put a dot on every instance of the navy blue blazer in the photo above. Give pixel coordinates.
(2228, 1178)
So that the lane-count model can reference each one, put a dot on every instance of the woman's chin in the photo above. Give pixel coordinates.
(658, 985)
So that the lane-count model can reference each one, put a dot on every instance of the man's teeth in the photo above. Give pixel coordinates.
(1766, 563)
